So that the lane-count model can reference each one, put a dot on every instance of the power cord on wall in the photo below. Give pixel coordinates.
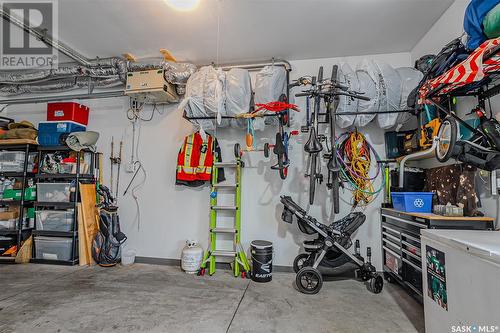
(134, 115)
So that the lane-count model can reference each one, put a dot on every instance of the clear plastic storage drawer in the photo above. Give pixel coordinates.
(13, 161)
(8, 224)
(53, 192)
(12, 156)
(53, 248)
(55, 220)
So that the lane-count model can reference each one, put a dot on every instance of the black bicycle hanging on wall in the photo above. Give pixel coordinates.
(314, 145)
(324, 91)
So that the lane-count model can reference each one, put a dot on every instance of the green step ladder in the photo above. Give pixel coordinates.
(240, 263)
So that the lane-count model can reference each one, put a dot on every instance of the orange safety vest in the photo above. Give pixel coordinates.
(195, 158)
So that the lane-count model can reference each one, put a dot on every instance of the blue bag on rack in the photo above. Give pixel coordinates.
(473, 21)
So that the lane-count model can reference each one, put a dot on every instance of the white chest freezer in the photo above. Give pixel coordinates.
(461, 280)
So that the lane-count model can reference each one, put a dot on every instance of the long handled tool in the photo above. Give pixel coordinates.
(115, 160)
(112, 163)
(119, 162)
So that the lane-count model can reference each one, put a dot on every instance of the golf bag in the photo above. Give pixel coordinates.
(109, 238)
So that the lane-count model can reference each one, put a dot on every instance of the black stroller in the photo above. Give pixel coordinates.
(329, 249)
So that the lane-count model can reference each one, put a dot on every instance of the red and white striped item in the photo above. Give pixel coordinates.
(472, 69)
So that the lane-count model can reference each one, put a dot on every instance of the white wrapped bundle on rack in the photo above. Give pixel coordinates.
(238, 95)
(270, 83)
(347, 76)
(410, 78)
(389, 93)
(205, 97)
(369, 86)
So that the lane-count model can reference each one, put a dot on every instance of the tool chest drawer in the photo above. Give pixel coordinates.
(412, 275)
(401, 251)
(400, 237)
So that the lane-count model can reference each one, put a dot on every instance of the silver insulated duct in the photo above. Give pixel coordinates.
(83, 72)
(102, 73)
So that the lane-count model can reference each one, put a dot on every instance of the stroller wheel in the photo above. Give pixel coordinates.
(309, 280)
(376, 284)
(300, 261)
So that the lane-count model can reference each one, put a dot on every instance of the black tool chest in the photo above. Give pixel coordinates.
(401, 248)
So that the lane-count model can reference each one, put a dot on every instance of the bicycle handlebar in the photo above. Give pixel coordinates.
(357, 96)
(341, 86)
(364, 98)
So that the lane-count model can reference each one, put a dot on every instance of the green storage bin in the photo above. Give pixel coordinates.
(31, 213)
(29, 194)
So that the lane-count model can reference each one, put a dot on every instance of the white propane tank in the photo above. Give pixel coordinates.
(192, 255)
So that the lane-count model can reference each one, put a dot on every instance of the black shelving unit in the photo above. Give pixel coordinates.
(486, 88)
(19, 233)
(76, 178)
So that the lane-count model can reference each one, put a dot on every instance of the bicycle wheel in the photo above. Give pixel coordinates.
(237, 150)
(447, 138)
(285, 118)
(283, 170)
(266, 150)
(312, 178)
(335, 69)
(335, 193)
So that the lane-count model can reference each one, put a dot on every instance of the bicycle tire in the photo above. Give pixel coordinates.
(237, 150)
(312, 179)
(285, 117)
(448, 121)
(335, 192)
(266, 150)
(283, 171)
(334, 73)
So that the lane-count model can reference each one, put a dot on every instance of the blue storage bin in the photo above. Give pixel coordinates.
(412, 202)
(49, 132)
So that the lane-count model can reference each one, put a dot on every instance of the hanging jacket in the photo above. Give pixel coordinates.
(195, 160)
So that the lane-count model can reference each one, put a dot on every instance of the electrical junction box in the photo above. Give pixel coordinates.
(150, 87)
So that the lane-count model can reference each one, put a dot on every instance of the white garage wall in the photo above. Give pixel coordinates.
(447, 28)
(171, 214)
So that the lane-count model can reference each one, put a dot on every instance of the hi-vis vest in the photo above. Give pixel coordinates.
(195, 158)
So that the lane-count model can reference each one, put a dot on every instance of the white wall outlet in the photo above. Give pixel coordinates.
(130, 167)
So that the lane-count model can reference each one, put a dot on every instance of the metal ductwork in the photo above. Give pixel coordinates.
(83, 73)
(90, 73)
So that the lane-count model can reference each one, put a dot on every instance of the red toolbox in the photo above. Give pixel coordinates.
(68, 111)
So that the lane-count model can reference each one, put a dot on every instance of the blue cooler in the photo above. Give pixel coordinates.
(412, 202)
(50, 132)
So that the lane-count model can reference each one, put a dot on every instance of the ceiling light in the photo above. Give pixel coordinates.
(183, 5)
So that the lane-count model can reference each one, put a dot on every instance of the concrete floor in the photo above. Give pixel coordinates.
(151, 298)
